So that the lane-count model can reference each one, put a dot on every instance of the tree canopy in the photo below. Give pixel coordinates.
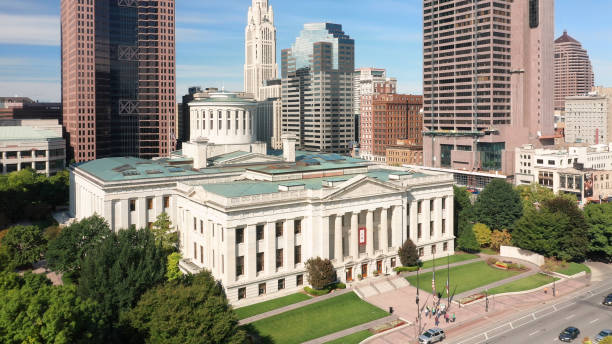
(164, 234)
(467, 241)
(482, 234)
(67, 251)
(33, 311)
(463, 208)
(498, 205)
(120, 269)
(188, 310)
(408, 254)
(321, 272)
(599, 220)
(22, 246)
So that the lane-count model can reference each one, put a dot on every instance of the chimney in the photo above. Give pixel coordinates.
(289, 141)
(198, 151)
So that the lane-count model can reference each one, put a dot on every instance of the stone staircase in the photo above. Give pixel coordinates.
(382, 285)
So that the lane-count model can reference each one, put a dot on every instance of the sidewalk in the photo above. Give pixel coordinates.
(254, 318)
(352, 330)
(468, 316)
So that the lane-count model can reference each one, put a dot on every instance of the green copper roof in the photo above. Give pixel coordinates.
(15, 133)
(129, 168)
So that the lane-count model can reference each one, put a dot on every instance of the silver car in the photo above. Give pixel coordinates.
(433, 335)
(601, 335)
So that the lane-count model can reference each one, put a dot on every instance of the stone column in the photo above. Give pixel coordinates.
(270, 255)
(354, 241)
(383, 234)
(370, 233)
(229, 265)
(250, 259)
(396, 226)
(289, 262)
(324, 237)
(338, 239)
(414, 221)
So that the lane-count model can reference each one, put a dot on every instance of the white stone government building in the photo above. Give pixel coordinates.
(254, 219)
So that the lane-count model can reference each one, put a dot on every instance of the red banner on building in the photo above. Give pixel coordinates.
(362, 236)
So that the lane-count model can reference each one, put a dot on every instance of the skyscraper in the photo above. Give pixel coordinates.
(573, 70)
(317, 88)
(260, 48)
(118, 77)
(487, 66)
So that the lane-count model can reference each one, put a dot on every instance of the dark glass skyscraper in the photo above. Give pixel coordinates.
(118, 77)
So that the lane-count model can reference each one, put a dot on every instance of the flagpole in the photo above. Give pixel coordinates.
(448, 278)
(433, 276)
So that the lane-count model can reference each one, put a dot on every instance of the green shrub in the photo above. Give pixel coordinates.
(315, 292)
(405, 268)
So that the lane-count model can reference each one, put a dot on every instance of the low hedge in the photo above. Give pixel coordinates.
(326, 290)
(405, 268)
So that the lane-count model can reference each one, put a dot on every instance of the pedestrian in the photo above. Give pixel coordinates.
(437, 321)
(446, 317)
(454, 317)
(426, 311)
(545, 290)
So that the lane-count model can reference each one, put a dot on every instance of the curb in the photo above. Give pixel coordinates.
(407, 324)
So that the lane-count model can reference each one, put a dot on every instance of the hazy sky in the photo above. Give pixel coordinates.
(210, 39)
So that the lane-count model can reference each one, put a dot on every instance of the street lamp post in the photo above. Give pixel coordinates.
(417, 302)
(486, 300)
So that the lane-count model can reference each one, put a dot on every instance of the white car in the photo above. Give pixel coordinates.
(433, 335)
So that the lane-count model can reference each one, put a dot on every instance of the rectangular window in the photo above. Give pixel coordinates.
(281, 284)
(239, 235)
(445, 246)
(443, 203)
(132, 205)
(241, 293)
(166, 202)
(149, 203)
(195, 251)
(201, 254)
(431, 205)
(195, 224)
(240, 266)
(299, 280)
(297, 254)
(431, 228)
(279, 258)
(259, 232)
(201, 227)
(419, 231)
(421, 252)
(419, 206)
(260, 261)
(392, 262)
(262, 288)
(279, 229)
(443, 226)
(297, 226)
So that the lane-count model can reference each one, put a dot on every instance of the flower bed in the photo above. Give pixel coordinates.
(387, 326)
(471, 298)
(501, 265)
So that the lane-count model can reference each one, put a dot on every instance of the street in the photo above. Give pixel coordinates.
(544, 324)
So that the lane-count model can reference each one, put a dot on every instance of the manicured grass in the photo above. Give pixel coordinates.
(527, 283)
(489, 251)
(266, 306)
(354, 338)
(573, 268)
(464, 277)
(453, 259)
(318, 319)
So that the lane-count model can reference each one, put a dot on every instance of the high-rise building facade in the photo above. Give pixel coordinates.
(387, 117)
(588, 118)
(118, 81)
(487, 66)
(260, 47)
(363, 85)
(317, 88)
(573, 70)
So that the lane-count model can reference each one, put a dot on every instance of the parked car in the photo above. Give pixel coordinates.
(433, 335)
(601, 335)
(608, 300)
(569, 334)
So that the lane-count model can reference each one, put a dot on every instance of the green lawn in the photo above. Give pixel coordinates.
(266, 306)
(354, 338)
(489, 251)
(573, 268)
(453, 259)
(318, 319)
(527, 283)
(464, 277)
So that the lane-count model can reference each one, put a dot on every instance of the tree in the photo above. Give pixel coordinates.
(463, 208)
(573, 240)
(33, 311)
(599, 220)
(120, 269)
(189, 310)
(408, 253)
(482, 234)
(467, 241)
(538, 231)
(500, 238)
(23, 246)
(321, 272)
(172, 270)
(163, 232)
(499, 205)
(68, 250)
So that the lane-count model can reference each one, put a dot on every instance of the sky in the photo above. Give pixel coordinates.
(210, 39)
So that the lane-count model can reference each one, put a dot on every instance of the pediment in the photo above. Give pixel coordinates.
(362, 186)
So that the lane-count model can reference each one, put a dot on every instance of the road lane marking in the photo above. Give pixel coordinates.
(592, 321)
(532, 333)
(570, 316)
